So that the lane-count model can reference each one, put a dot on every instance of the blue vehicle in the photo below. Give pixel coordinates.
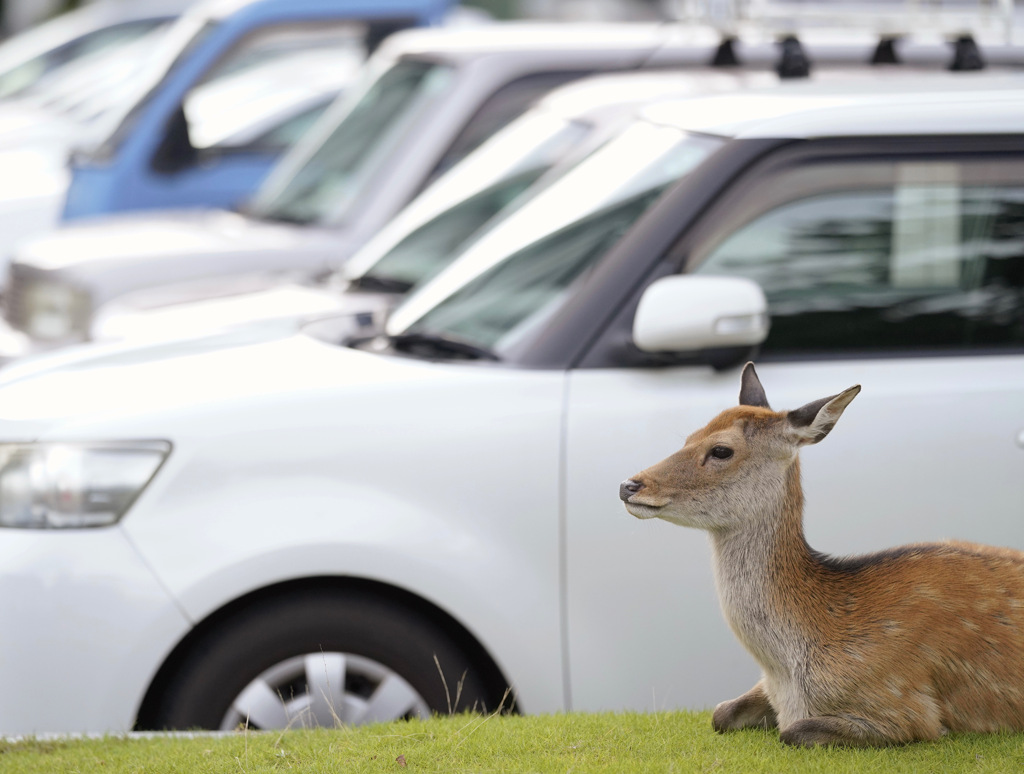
(148, 158)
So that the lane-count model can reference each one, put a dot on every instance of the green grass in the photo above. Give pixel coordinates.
(630, 742)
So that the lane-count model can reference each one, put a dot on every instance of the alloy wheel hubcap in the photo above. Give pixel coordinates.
(324, 689)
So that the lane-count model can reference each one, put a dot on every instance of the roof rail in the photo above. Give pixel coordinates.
(725, 54)
(885, 51)
(954, 19)
(793, 61)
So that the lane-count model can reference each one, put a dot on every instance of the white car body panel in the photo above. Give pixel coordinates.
(32, 189)
(24, 125)
(87, 594)
(426, 533)
(110, 245)
(126, 321)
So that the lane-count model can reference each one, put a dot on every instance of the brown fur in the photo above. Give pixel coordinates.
(887, 648)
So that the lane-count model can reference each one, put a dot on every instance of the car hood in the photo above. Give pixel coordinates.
(33, 183)
(112, 255)
(190, 387)
(24, 125)
(31, 171)
(177, 312)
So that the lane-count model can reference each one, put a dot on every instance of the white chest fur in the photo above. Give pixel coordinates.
(743, 578)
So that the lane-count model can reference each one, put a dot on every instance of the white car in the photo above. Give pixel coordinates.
(277, 530)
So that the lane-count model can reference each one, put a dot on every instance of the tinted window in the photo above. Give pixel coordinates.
(510, 279)
(288, 132)
(28, 73)
(330, 177)
(428, 249)
(504, 303)
(269, 76)
(895, 257)
(507, 103)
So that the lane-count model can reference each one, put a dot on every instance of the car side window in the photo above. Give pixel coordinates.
(907, 256)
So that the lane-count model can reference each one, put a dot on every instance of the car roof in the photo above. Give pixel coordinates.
(219, 9)
(876, 104)
(594, 95)
(457, 43)
(685, 42)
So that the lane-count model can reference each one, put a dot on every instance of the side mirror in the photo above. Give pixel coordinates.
(175, 152)
(685, 313)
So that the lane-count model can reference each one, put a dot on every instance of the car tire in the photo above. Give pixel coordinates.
(320, 658)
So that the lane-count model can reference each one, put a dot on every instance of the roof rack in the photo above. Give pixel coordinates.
(953, 19)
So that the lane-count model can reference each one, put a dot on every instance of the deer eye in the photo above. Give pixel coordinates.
(720, 452)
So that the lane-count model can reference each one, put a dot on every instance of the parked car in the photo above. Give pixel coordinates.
(280, 530)
(433, 96)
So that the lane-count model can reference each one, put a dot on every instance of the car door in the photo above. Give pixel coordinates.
(897, 265)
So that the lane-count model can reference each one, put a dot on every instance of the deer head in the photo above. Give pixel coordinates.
(734, 470)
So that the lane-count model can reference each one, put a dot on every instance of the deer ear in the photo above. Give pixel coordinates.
(811, 423)
(751, 391)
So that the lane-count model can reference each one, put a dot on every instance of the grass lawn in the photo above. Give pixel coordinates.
(629, 742)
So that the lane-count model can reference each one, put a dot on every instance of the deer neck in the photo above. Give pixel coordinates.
(762, 569)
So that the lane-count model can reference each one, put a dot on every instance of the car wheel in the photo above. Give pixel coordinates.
(320, 659)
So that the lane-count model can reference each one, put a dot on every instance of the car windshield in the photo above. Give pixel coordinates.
(94, 83)
(26, 75)
(491, 180)
(328, 173)
(511, 280)
(184, 36)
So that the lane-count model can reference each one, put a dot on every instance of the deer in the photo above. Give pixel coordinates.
(902, 645)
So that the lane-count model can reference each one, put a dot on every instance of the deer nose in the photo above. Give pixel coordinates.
(628, 488)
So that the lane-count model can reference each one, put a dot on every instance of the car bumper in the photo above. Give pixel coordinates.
(85, 625)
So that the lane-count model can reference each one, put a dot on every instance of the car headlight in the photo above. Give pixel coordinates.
(56, 312)
(70, 485)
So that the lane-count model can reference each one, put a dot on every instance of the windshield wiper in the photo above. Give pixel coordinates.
(434, 345)
(274, 216)
(372, 283)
